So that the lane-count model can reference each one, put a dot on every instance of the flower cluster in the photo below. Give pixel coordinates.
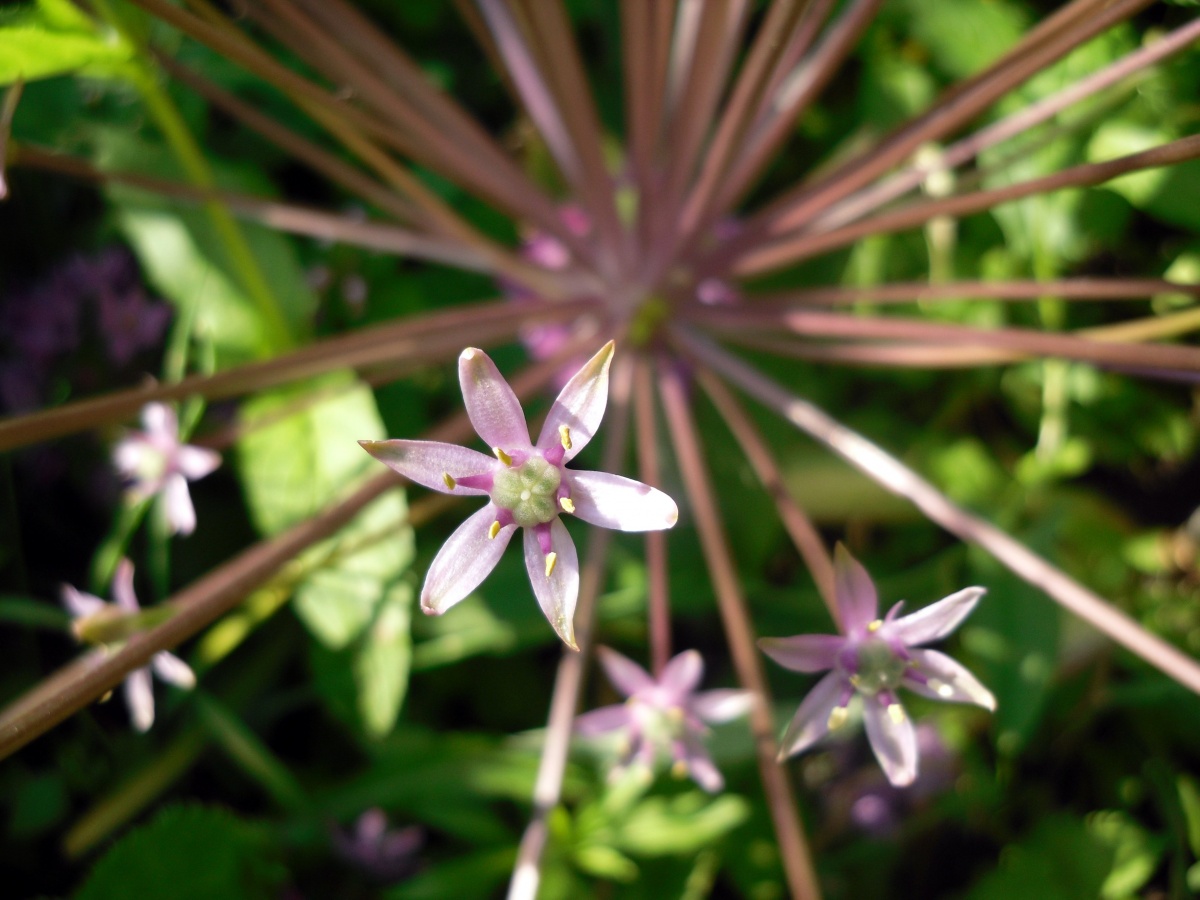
(110, 624)
(528, 485)
(872, 658)
(664, 714)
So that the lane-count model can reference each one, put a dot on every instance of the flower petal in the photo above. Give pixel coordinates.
(159, 421)
(557, 593)
(804, 652)
(122, 587)
(181, 515)
(429, 462)
(173, 670)
(855, 591)
(722, 705)
(699, 764)
(625, 675)
(130, 455)
(196, 462)
(79, 604)
(579, 405)
(947, 679)
(139, 697)
(893, 739)
(464, 561)
(936, 620)
(613, 501)
(602, 720)
(681, 675)
(491, 404)
(811, 722)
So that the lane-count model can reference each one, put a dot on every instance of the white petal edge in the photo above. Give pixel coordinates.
(181, 515)
(159, 421)
(493, 408)
(857, 600)
(811, 722)
(196, 462)
(722, 705)
(122, 587)
(804, 652)
(173, 670)
(604, 720)
(936, 620)
(466, 558)
(79, 604)
(580, 404)
(613, 501)
(139, 697)
(428, 462)
(682, 674)
(952, 681)
(893, 742)
(558, 594)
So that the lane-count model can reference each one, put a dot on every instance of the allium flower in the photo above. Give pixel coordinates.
(157, 463)
(872, 658)
(666, 713)
(387, 854)
(109, 624)
(528, 486)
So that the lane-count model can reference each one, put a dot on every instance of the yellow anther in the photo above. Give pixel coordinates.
(494, 530)
(566, 504)
(856, 680)
(680, 769)
(451, 484)
(875, 626)
(837, 718)
(551, 562)
(564, 435)
(896, 713)
(502, 456)
(941, 688)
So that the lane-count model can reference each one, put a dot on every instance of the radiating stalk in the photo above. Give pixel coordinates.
(777, 789)
(8, 108)
(899, 479)
(795, 520)
(568, 682)
(658, 597)
(428, 338)
(924, 292)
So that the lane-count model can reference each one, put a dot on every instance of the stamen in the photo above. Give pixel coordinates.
(875, 626)
(494, 530)
(837, 718)
(567, 504)
(680, 769)
(451, 484)
(551, 562)
(502, 456)
(564, 435)
(896, 713)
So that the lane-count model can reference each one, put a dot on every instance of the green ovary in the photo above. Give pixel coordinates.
(529, 491)
(879, 668)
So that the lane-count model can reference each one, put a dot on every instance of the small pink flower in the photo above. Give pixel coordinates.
(665, 714)
(872, 658)
(528, 486)
(155, 462)
(97, 622)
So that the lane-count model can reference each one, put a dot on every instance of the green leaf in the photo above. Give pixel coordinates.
(55, 38)
(382, 666)
(470, 875)
(665, 826)
(300, 454)
(188, 853)
(1057, 860)
(605, 862)
(1135, 853)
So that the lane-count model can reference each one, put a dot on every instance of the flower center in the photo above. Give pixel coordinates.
(529, 491)
(879, 668)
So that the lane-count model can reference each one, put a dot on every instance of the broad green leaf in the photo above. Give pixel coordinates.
(28, 53)
(663, 826)
(300, 454)
(383, 662)
(188, 853)
(1057, 860)
(967, 35)
(605, 862)
(1135, 853)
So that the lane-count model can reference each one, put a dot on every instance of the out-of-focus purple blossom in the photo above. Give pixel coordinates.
(155, 462)
(528, 486)
(872, 658)
(666, 715)
(43, 325)
(110, 624)
(386, 854)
